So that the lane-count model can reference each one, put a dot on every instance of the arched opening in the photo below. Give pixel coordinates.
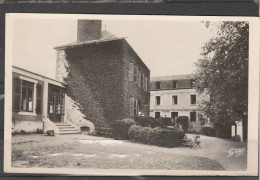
(85, 129)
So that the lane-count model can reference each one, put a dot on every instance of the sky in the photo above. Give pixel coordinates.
(166, 47)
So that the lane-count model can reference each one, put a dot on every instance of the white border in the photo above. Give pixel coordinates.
(253, 96)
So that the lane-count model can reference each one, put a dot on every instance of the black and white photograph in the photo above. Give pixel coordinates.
(131, 95)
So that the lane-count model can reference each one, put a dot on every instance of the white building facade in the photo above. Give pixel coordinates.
(173, 96)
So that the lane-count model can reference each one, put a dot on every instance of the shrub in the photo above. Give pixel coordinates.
(166, 121)
(184, 121)
(145, 121)
(102, 131)
(208, 131)
(155, 136)
(223, 131)
(120, 128)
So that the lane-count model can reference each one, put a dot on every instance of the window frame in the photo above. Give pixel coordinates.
(35, 82)
(156, 84)
(176, 82)
(193, 104)
(174, 112)
(172, 99)
(195, 116)
(192, 83)
(155, 114)
(156, 102)
(135, 74)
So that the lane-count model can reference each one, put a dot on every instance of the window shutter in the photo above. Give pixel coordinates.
(145, 83)
(16, 94)
(135, 74)
(139, 79)
(131, 106)
(131, 72)
(39, 99)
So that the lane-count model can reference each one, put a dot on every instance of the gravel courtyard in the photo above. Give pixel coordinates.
(84, 151)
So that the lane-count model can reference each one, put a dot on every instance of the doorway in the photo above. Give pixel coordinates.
(55, 103)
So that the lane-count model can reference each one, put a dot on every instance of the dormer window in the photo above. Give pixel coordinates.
(192, 82)
(158, 85)
(174, 84)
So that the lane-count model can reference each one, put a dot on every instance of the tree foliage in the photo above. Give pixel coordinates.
(222, 71)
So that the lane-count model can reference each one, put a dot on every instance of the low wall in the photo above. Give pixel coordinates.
(26, 123)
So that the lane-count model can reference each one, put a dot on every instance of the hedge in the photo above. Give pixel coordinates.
(145, 121)
(166, 121)
(208, 131)
(155, 136)
(184, 121)
(120, 128)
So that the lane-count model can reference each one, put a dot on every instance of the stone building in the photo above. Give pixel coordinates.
(173, 96)
(99, 79)
(104, 75)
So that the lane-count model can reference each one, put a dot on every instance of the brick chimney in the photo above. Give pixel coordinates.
(89, 30)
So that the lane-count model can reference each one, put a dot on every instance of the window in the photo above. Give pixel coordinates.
(192, 82)
(27, 96)
(39, 99)
(174, 100)
(133, 106)
(135, 74)
(158, 85)
(158, 100)
(139, 79)
(131, 72)
(157, 115)
(174, 84)
(192, 99)
(145, 84)
(174, 115)
(142, 80)
(193, 116)
(16, 94)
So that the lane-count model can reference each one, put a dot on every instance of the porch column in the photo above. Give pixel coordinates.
(45, 99)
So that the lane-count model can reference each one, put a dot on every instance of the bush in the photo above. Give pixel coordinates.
(145, 121)
(184, 121)
(23, 132)
(120, 128)
(208, 131)
(166, 121)
(155, 136)
(223, 132)
(102, 131)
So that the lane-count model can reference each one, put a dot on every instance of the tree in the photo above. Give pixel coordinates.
(222, 71)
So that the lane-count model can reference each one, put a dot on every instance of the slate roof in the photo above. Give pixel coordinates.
(172, 78)
(105, 36)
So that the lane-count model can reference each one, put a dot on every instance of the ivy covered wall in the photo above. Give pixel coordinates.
(97, 78)
(131, 89)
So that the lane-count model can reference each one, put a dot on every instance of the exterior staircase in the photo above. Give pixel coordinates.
(65, 128)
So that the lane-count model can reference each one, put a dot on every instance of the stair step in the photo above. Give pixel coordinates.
(62, 125)
(66, 127)
(70, 132)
